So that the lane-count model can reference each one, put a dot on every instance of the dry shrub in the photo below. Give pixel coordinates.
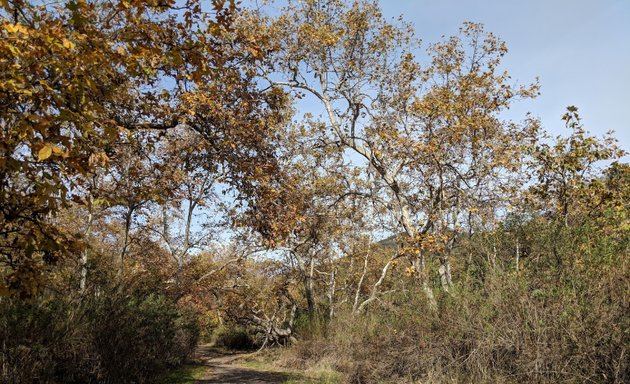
(306, 354)
(563, 319)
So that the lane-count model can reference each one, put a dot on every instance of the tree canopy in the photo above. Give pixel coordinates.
(313, 172)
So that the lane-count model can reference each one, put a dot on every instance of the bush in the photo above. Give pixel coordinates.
(117, 336)
(187, 334)
(132, 336)
(235, 337)
(563, 317)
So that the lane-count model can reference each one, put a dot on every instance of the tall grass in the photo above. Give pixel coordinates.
(563, 317)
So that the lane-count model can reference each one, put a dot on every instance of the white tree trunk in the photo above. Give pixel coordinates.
(85, 252)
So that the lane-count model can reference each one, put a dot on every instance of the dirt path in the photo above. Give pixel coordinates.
(223, 368)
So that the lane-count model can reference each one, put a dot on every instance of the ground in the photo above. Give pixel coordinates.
(215, 366)
(226, 368)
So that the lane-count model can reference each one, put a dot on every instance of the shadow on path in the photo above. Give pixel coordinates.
(241, 375)
(223, 369)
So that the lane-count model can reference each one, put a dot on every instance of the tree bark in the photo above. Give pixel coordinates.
(85, 252)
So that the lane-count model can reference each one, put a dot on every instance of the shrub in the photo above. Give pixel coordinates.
(132, 336)
(117, 336)
(235, 337)
(187, 334)
(563, 317)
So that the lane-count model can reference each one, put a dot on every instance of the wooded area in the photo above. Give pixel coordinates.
(163, 180)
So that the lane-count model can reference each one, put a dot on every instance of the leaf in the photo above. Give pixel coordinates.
(68, 44)
(256, 52)
(45, 152)
(11, 28)
(15, 28)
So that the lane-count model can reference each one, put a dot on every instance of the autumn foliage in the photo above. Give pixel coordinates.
(82, 81)
(161, 184)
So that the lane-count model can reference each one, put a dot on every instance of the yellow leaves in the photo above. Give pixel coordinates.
(65, 105)
(256, 52)
(48, 150)
(14, 50)
(16, 85)
(68, 44)
(319, 35)
(45, 152)
(16, 29)
(409, 251)
(59, 151)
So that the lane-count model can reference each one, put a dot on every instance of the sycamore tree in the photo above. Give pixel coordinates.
(79, 76)
(329, 216)
(568, 168)
(428, 136)
(189, 213)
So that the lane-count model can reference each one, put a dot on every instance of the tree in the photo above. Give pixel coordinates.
(192, 179)
(568, 166)
(79, 77)
(430, 140)
(329, 215)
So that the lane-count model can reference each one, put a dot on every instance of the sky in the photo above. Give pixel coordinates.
(579, 49)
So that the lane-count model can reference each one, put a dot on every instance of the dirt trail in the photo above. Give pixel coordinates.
(224, 369)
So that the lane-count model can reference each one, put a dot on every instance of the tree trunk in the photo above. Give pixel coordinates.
(273, 333)
(518, 253)
(331, 294)
(357, 294)
(85, 252)
(445, 273)
(420, 271)
(181, 259)
(123, 252)
(308, 289)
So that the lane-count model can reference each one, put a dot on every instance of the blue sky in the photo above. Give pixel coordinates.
(579, 49)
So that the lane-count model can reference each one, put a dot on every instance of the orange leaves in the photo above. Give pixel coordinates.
(77, 81)
(99, 158)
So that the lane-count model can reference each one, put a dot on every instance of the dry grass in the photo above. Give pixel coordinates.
(509, 331)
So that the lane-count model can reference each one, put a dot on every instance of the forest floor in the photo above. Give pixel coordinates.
(217, 366)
